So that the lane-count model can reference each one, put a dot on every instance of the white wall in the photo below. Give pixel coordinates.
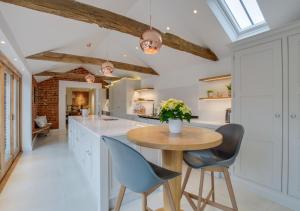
(12, 51)
(184, 84)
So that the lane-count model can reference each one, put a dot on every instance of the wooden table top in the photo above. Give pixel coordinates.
(159, 137)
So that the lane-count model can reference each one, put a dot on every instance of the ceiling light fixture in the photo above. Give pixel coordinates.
(195, 11)
(3, 42)
(151, 40)
(107, 68)
(168, 28)
(15, 59)
(90, 78)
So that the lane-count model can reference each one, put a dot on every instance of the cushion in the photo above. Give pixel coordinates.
(41, 121)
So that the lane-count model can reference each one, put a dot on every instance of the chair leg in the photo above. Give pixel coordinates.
(170, 197)
(230, 189)
(144, 198)
(186, 178)
(213, 185)
(200, 190)
(120, 198)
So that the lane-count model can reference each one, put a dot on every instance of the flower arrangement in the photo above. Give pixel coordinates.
(174, 109)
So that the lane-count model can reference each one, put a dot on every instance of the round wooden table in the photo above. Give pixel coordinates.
(172, 146)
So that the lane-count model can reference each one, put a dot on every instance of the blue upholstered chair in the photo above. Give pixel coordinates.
(134, 172)
(214, 160)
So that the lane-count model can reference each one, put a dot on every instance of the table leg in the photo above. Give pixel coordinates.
(172, 160)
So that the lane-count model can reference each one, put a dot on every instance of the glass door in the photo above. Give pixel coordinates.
(16, 116)
(7, 117)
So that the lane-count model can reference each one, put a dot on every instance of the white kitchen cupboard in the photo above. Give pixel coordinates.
(121, 97)
(94, 160)
(258, 100)
(294, 114)
(266, 100)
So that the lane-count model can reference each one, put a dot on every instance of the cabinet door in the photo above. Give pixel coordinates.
(294, 114)
(258, 107)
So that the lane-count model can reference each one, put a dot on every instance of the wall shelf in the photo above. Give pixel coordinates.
(216, 78)
(214, 98)
(144, 89)
(140, 101)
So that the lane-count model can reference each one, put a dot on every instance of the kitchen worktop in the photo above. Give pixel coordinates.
(195, 122)
(107, 125)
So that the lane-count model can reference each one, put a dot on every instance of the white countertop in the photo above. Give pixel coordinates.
(100, 126)
(208, 124)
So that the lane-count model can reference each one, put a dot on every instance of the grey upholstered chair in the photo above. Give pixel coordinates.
(214, 160)
(134, 172)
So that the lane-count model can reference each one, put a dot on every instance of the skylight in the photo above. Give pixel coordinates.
(245, 12)
(244, 17)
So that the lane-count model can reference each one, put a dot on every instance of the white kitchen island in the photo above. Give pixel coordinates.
(93, 155)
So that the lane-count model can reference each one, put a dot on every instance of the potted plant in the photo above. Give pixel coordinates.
(174, 112)
(210, 93)
(229, 89)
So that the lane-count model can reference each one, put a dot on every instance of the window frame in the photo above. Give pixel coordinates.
(230, 24)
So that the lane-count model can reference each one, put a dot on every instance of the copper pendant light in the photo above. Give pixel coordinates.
(90, 78)
(151, 40)
(107, 68)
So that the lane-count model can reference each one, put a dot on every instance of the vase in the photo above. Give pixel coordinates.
(175, 125)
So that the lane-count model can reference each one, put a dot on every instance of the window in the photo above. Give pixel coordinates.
(239, 18)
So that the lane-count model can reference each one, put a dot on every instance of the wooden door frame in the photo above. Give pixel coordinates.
(7, 67)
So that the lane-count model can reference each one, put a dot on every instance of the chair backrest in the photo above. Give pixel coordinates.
(130, 167)
(232, 139)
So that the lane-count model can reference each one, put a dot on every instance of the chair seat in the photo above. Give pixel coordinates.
(204, 158)
(163, 173)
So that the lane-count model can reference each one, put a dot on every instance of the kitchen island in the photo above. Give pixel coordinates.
(93, 156)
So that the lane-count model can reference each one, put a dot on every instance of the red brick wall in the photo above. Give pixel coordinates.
(48, 100)
(48, 97)
(34, 101)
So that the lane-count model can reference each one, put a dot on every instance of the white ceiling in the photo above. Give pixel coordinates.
(36, 32)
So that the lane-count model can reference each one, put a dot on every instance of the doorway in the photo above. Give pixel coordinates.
(79, 98)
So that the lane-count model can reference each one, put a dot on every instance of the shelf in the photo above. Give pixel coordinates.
(215, 98)
(216, 78)
(144, 89)
(140, 101)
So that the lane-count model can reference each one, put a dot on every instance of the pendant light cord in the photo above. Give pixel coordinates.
(150, 11)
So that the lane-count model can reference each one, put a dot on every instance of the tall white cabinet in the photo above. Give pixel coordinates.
(294, 114)
(258, 107)
(266, 101)
(121, 97)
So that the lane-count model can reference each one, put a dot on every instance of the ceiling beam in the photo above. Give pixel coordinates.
(75, 75)
(69, 58)
(103, 18)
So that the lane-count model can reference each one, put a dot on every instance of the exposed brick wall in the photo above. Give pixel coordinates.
(34, 101)
(48, 97)
(48, 100)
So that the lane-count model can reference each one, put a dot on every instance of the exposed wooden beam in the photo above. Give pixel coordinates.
(103, 18)
(75, 75)
(69, 58)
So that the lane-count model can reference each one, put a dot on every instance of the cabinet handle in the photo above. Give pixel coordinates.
(277, 115)
(293, 116)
